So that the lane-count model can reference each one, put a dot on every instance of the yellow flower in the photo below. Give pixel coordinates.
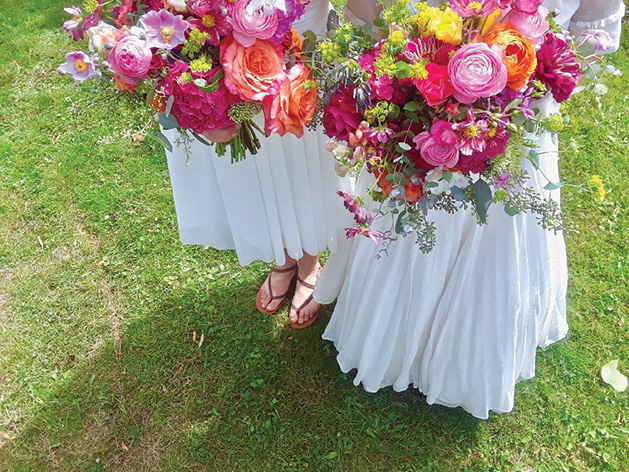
(443, 24)
(488, 22)
(598, 188)
(397, 38)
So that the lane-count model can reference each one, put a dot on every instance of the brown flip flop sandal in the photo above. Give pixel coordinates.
(261, 309)
(314, 317)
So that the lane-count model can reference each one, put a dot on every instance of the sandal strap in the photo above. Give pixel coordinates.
(306, 284)
(279, 271)
(303, 305)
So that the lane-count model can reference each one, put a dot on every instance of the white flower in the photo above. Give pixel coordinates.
(459, 180)
(177, 5)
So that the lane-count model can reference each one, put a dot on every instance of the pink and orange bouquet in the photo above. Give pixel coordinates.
(203, 64)
(438, 111)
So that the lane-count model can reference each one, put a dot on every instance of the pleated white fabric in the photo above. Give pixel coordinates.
(461, 323)
(281, 198)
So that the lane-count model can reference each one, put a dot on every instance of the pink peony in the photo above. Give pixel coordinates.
(193, 108)
(436, 88)
(340, 116)
(533, 26)
(467, 8)
(130, 58)
(557, 67)
(477, 71)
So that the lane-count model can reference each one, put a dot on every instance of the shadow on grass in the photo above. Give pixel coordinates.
(204, 380)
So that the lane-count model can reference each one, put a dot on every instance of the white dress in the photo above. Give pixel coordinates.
(281, 198)
(463, 322)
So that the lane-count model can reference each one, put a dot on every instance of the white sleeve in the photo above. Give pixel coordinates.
(602, 15)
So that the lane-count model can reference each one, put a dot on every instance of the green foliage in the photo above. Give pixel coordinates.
(102, 311)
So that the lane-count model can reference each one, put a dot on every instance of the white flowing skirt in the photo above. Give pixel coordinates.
(283, 198)
(461, 323)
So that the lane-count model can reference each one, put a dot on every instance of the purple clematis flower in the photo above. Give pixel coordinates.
(164, 30)
(375, 235)
(79, 65)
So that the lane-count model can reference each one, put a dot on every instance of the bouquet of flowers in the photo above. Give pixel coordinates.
(439, 110)
(203, 64)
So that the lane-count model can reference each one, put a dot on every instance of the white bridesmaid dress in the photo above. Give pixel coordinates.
(462, 323)
(284, 197)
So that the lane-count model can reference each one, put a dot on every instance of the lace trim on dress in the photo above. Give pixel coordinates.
(603, 22)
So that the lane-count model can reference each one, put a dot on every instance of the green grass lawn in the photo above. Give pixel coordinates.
(121, 349)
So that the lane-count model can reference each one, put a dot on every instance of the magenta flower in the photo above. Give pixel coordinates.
(164, 30)
(361, 214)
(340, 116)
(79, 65)
(374, 235)
(472, 134)
(502, 181)
(467, 8)
(477, 71)
(193, 108)
(557, 67)
(131, 58)
(210, 19)
(93, 18)
(475, 163)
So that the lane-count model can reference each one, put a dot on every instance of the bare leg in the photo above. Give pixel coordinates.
(280, 282)
(308, 271)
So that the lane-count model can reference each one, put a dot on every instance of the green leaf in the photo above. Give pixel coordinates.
(401, 220)
(534, 158)
(163, 140)
(332, 455)
(482, 198)
(166, 121)
(404, 146)
(511, 210)
(553, 185)
(586, 50)
(613, 377)
(512, 104)
(151, 93)
(412, 106)
(458, 193)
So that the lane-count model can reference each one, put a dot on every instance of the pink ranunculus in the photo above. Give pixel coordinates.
(533, 26)
(526, 6)
(434, 153)
(476, 71)
(247, 27)
(436, 88)
(130, 58)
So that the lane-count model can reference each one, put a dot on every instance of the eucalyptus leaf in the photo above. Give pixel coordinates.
(401, 221)
(163, 140)
(533, 156)
(586, 50)
(404, 146)
(613, 377)
(511, 210)
(202, 139)
(553, 185)
(169, 105)
(458, 193)
(482, 198)
(512, 104)
(166, 122)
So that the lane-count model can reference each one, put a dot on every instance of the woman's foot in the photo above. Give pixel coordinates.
(276, 286)
(304, 308)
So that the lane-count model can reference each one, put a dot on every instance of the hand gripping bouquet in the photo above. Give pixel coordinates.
(439, 111)
(203, 64)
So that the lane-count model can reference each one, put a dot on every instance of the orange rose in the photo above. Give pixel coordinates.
(412, 192)
(291, 102)
(519, 54)
(250, 71)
